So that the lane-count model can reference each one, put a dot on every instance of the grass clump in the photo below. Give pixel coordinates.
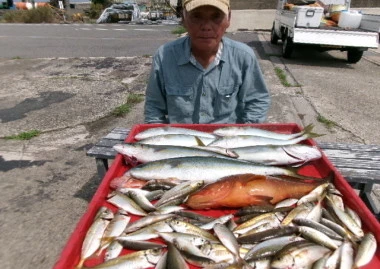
(328, 123)
(179, 30)
(282, 76)
(132, 100)
(36, 15)
(25, 135)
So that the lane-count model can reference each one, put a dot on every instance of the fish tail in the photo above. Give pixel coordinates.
(294, 172)
(308, 128)
(242, 263)
(80, 264)
(314, 135)
(307, 132)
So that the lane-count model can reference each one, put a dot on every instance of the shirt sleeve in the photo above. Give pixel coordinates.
(155, 110)
(254, 94)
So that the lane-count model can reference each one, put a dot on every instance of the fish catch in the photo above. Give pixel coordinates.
(248, 189)
(283, 219)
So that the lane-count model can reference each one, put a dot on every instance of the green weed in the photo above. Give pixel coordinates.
(135, 98)
(179, 30)
(282, 76)
(328, 123)
(132, 100)
(25, 135)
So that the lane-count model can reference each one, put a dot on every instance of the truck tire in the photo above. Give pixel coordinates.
(287, 47)
(273, 36)
(354, 55)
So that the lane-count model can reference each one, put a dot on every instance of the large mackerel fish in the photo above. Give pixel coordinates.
(144, 153)
(155, 131)
(209, 169)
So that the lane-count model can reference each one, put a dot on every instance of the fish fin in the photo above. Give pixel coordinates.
(265, 200)
(290, 154)
(130, 160)
(298, 164)
(231, 153)
(330, 177)
(199, 141)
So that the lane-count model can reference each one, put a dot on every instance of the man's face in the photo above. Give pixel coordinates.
(206, 26)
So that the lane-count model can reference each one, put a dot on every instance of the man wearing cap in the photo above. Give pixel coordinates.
(205, 77)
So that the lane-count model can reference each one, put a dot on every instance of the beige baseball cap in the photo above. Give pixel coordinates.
(223, 5)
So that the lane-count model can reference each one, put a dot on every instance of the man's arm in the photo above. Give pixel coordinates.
(255, 94)
(155, 101)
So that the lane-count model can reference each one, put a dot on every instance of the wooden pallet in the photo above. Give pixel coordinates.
(359, 164)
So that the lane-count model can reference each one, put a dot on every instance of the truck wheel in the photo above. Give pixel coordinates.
(354, 55)
(273, 36)
(287, 47)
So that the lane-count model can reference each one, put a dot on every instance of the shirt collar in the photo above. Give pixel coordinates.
(187, 56)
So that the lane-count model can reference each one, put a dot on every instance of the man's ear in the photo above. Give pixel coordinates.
(229, 15)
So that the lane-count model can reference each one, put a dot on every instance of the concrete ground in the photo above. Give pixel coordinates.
(47, 182)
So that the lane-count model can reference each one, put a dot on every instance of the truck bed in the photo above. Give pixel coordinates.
(335, 36)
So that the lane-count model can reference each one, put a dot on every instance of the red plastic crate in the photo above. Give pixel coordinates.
(71, 253)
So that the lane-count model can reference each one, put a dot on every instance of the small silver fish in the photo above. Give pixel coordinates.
(142, 201)
(113, 251)
(299, 254)
(366, 250)
(317, 236)
(184, 227)
(228, 240)
(92, 239)
(192, 238)
(145, 221)
(181, 190)
(174, 258)
(124, 202)
(139, 259)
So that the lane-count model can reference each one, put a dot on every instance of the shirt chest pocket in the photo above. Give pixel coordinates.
(226, 100)
(180, 100)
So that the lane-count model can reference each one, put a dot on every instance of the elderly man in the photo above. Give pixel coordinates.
(205, 77)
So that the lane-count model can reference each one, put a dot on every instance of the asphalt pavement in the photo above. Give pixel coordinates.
(48, 181)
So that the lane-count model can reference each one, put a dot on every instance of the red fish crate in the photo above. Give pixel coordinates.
(320, 168)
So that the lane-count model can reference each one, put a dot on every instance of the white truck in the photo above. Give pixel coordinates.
(300, 22)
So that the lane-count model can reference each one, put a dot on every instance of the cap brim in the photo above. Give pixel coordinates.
(198, 3)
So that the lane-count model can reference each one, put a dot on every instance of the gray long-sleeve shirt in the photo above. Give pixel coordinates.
(182, 91)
